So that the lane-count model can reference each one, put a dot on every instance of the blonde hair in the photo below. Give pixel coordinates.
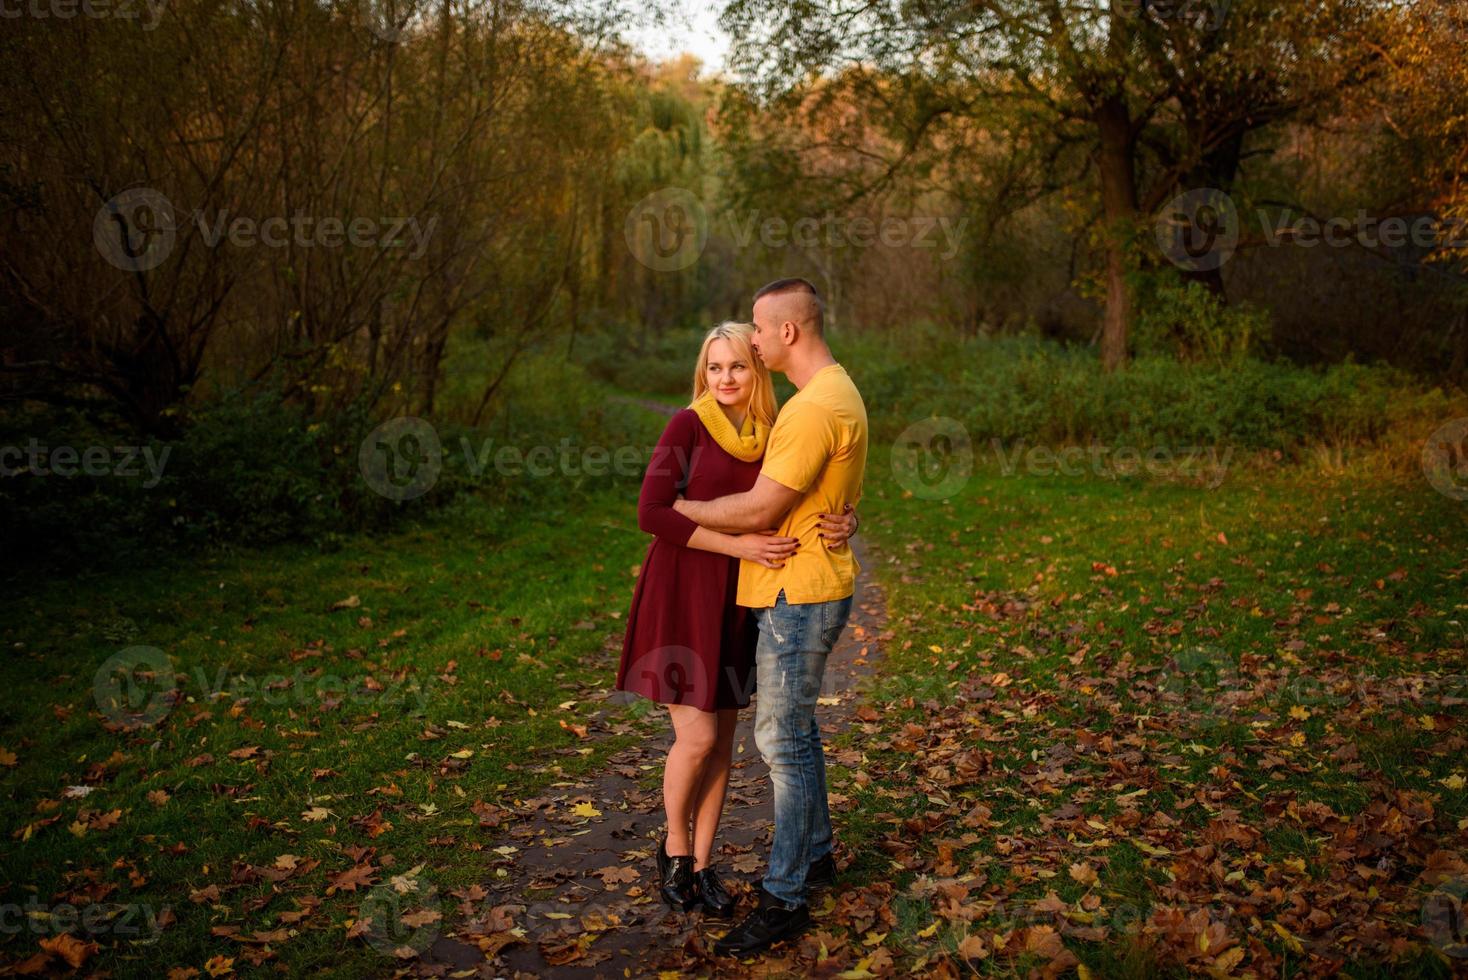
(739, 335)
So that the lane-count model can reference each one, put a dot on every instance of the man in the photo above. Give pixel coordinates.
(814, 464)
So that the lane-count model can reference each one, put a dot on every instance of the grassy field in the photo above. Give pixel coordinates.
(1143, 727)
(1125, 726)
(342, 719)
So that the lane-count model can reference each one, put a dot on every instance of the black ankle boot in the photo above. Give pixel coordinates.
(712, 894)
(675, 879)
(821, 873)
(768, 924)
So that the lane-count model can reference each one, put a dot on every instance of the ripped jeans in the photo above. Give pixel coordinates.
(790, 659)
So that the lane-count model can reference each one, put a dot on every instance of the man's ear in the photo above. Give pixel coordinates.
(789, 332)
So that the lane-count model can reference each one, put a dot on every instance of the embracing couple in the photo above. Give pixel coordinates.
(749, 579)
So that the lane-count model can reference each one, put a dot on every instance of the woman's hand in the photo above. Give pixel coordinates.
(837, 528)
(766, 548)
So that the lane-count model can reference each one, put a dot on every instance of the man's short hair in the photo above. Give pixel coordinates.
(795, 284)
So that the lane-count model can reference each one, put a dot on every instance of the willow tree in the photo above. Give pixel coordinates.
(314, 195)
(1131, 101)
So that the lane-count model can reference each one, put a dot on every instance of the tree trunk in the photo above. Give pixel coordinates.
(1118, 316)
(1458, 370)
(1216, 170)
(1116, 165)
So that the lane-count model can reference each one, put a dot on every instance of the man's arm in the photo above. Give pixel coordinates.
(762, 506)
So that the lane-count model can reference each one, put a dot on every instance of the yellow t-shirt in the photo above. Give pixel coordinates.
(819, 447)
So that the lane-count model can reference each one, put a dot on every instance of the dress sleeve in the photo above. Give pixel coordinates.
(667, 473)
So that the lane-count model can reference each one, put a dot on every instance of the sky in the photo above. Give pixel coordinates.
(689, 26)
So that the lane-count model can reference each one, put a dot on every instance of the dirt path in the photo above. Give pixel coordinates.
(583, 888)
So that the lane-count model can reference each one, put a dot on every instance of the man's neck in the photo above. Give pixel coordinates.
(800, 374)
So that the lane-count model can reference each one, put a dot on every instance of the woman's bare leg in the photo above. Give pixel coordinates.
(696, 734)
(708, 804)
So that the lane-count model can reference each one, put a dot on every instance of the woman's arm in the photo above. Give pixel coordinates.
(762, 547)
(836, 529)
(667, 473)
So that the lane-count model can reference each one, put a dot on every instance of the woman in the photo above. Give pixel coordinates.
(688, 644)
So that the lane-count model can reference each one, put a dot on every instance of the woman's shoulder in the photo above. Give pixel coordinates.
(683, 424)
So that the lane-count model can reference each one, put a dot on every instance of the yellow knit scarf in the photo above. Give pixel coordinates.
(747, 444)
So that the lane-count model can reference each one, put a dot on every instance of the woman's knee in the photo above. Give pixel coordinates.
(697, 742)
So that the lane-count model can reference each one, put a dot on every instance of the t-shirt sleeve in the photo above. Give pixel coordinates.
(802, 442)
(667, 473)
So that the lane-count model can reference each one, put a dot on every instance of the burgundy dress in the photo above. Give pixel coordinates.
(688, 641)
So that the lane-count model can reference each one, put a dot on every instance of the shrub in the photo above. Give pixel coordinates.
(660, 364)
(256, 469)
(1025, 388)
(1185, 321)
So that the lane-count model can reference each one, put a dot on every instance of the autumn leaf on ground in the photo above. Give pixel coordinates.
(407, 882)
(208, 894)
(220, 966)
(420, 918)
(373, 825)
(489, 815)
(972, 948)
(69, 948)
(613, 876)
(1083, 872)
(358, 876)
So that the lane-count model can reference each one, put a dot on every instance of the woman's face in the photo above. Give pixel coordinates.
(730, 376)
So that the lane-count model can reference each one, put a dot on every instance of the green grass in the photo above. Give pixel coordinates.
(1104, 650)
(1264, 644)
(484, 632)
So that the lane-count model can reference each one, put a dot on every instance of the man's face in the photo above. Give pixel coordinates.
(766, 340)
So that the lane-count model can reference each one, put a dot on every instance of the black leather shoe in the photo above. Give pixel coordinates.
(771, 922)
(712, 894)
(675, 879)
(822, 872)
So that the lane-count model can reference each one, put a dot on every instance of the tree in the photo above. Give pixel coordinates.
(317, 195)
(1139, 98)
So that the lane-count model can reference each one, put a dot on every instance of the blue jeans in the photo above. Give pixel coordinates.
(790, 661)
